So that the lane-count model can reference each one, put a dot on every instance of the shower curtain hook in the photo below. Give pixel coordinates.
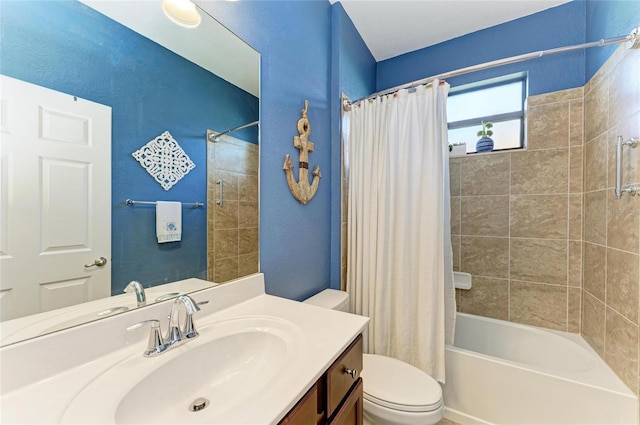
(346, 105)
(633, 37)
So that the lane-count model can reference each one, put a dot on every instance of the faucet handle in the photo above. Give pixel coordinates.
(189, 329)
(156, 344)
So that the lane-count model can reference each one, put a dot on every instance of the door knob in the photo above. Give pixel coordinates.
(99, 262)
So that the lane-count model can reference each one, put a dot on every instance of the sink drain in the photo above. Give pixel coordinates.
(198, 404)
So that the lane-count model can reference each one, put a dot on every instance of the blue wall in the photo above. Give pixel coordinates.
(556, 27)
(150, 90)
(294, 41)
(571, 23)
(607, 19)
(353, 62)
(308, 51)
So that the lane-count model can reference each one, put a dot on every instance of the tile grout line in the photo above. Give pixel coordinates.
(604, 81)
(509, 245)
(569, 157)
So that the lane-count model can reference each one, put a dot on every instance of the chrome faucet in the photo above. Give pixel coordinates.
(175, 334)
(135, 286)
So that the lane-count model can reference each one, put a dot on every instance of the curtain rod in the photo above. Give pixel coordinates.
(212, 136)
(630, 38)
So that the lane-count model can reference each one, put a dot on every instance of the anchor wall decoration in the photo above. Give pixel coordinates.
(302, 190)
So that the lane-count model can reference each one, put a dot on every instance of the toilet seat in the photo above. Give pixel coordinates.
(397, 385)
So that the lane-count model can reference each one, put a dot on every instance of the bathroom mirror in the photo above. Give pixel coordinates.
(151, 76)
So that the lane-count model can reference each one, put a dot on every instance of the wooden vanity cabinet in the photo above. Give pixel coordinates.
(336, 398)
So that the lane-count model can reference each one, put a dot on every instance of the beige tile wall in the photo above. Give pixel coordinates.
(611, 226)
(564, 253)
(516, 220)
(232, 229)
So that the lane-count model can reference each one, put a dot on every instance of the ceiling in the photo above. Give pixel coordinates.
(394, 27)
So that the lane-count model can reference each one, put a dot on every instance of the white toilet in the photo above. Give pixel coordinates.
(395, 393)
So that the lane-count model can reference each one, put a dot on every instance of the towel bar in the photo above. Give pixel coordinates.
(220, 199)
(631, 189)
(188, 204)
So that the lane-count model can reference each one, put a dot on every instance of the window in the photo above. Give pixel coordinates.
(499, 100)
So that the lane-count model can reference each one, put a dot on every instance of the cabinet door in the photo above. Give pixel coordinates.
(307, 411)
(350, 413)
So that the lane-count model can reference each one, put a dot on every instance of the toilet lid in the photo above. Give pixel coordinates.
(398, 385)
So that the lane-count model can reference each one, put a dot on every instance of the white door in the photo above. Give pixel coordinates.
(55, 199)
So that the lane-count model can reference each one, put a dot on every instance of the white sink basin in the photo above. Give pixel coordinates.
(218, 372)
(228, 365)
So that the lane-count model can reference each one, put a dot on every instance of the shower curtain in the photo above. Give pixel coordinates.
(399, 263)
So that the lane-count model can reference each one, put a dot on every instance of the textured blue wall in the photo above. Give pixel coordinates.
(607, 19)
(150, 90)
(556, 27)
(354, 74)
(308, 51)
(354, 63)
(294, 41)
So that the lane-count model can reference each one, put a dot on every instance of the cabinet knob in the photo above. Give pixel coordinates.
(351, 372)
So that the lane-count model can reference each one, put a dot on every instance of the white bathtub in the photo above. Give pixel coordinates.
(505, 373)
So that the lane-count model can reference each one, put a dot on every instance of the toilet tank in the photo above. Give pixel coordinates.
(330, 298)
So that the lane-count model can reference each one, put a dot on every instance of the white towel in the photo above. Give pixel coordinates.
(168, 221)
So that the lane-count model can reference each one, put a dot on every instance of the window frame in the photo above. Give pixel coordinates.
(495, 118)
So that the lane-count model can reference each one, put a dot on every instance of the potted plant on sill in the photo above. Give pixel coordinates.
(485, 143)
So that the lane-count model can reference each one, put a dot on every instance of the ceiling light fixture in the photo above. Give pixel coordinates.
(182, 12)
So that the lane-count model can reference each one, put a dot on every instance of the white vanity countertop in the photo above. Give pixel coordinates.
(321, 337)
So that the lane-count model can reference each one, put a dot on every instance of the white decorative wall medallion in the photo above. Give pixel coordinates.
(165, 160)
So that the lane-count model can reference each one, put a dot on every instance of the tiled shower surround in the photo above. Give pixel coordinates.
(540, 230)
(611, 226)
(232, 228)
(516, 220)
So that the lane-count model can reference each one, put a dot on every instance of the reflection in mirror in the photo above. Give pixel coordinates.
(82, 89)
(232, 211)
